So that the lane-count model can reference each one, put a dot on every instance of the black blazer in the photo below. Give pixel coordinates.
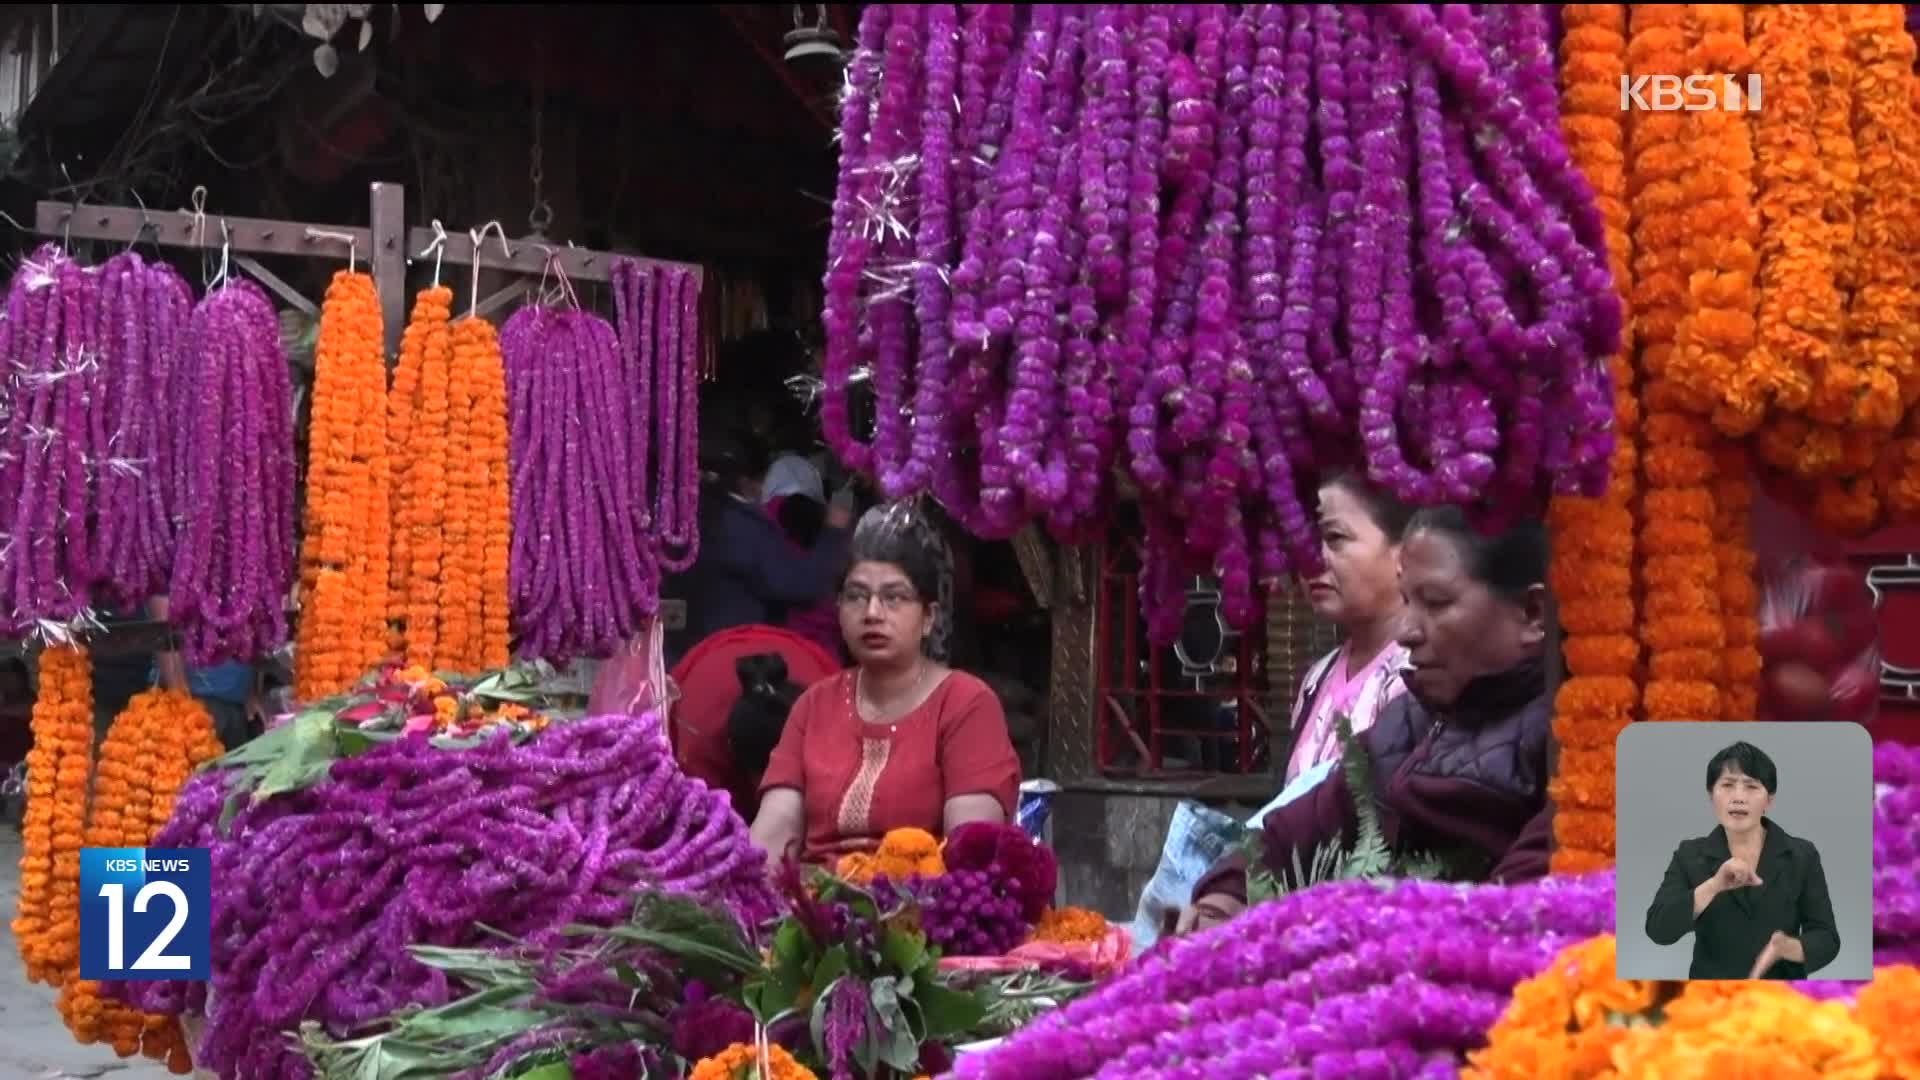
(1728, 936)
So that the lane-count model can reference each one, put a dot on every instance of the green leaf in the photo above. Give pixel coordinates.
(310, 752)
(903, 950)
(832, 964)
(552, 1070)
(898, 1047)
(949, 1012)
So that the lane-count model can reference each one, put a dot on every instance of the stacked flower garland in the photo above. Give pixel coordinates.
(1200, 231)
(1355, 979)
(414, 701)
(1576, 1021)
(139, 419)
(235, 557)
(1592, 572)
(161, 737)
(447, 418)
(345, 550)
(594, 524)
(47, 922)
(407, 845)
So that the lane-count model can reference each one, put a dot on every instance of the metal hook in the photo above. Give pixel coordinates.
(438, 246)
(226, 251)
(146, 223)
(347, 238)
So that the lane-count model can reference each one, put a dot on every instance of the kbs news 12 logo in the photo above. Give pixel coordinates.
(1690, 93)
(145, 913)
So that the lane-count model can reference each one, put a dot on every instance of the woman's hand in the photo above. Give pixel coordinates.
(1208, 912)
(1779, 947)
(1735, 873)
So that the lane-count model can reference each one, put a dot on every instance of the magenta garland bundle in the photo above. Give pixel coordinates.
(235, 516)
(318, 893)
(1216, 251)
(605, 482)
(1350, 979)
(112, 446)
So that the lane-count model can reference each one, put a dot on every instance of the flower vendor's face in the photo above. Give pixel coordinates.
(1739, 800)
(1361, 581)
(1455, 628)
(882, 616)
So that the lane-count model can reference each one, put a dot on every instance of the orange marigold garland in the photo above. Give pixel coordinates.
(46, 922)
(1070, 926)
(475, 586)
(1713, 360)
(493, 542)
(743, 1060)
(342, 633)
(1592, 573)
(1875, 389)
(421, 510)
(1680, 622)
(151, 749)
(459, 591)
(1576, 1021)
(1802, 313)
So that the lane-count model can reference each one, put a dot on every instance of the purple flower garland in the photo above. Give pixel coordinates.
(1352, 979)
(1216, 251)
(603, 504)
(319, 893)
(235, 564)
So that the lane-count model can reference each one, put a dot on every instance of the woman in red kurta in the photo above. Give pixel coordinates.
(899, 741)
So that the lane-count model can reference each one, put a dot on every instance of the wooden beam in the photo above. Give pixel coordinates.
(184, 228)
(533, 256)
(388, 248)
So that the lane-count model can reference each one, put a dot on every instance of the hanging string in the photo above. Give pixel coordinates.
(198, 202)
(479, 236)
(346, 238)
(566, 283)
(226, 250)
(438, 248)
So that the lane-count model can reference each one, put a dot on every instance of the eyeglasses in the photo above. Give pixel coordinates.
(856, 598)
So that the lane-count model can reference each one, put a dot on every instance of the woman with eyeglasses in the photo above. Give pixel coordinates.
(897, 741)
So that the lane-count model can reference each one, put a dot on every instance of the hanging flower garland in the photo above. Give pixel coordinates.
(1713, 359)
(1191, 247)
(47, 921)
(344, 573)
(152, 747)
(1679, 624)
(423, 456)
(1592, 573)
(483, 553)
(235, 557)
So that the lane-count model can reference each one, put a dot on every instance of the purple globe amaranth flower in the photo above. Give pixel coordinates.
(705, 1028)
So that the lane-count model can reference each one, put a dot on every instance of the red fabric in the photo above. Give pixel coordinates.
(955, 743)
(708, 689)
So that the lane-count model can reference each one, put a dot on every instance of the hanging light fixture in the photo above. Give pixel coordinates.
(811, 44)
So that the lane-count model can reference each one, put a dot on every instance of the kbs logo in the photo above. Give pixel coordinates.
(150, 906)
(1693, 93)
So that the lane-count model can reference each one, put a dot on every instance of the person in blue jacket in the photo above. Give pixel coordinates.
(747, 572)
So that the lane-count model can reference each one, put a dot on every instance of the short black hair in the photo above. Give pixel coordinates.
(899, 535)
(1510, 562)
(760, 715)
(1750, 760)
(1387, 513)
